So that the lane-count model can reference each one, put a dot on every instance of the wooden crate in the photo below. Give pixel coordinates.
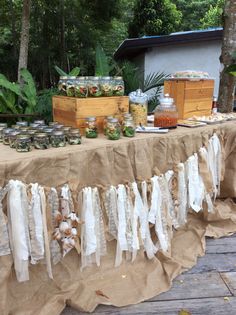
(191, 97)
(73, 111)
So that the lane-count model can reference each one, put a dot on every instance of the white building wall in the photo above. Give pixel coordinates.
(198, 56)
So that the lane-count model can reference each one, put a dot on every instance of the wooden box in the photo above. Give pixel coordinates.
(191, 97)
(73, 111)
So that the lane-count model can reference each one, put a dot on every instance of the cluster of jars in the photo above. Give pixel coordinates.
(112, 127)
(38, 135)
(91, 86)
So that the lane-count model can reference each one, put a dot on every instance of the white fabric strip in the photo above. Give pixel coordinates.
(111, 210)
(171, 208)
(182, 195)
(4, 237)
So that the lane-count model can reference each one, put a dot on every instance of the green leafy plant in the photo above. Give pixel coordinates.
(74, 72)
(103, 65)
(44, 103)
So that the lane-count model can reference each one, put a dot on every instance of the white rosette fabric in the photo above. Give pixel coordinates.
(4, 237)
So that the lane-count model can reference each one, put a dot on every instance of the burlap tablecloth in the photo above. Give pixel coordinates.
(102, 163)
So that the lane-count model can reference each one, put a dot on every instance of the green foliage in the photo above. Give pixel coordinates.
(154, 17)
(28, 90)
(103, 67)
(213, 16)
(74, 72)
(44, 103)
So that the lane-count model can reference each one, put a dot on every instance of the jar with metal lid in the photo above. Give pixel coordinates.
(58, 139)
(22, 123)
(53, 123)
(2, 127)
(113, 129)
(166, 115)
(48, 131)
(33, 126)
(81, 88)
(118, 86)
(12, 138)
(16, 127)
(24, 130)
(41, 141)
(6, 135)
(62, 85)
(23, 143)
(58, 126)
(139, 107)
(31, 133)
(39, 122)
(106, 119)
(94, 87)
(91, 127)
(106, 84)
(128, 127)
(70, 86)
(74, 136)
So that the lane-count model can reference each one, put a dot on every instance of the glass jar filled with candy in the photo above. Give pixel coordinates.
(74, 136)
(105, 121)
(6, 135)
(2, 127)
(23, 143)
(106, 84)
(166, 115)
(62, 85)
(58, 139)
(94, 86)
(12, 138)
(70, 86)
(139, 107)
(118, 86)
(41, 141)
(81, 88)
(128, 127)
(113, 129)
(91, 127)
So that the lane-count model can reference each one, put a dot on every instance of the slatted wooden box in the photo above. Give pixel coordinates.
(192, 98)
(73, 111)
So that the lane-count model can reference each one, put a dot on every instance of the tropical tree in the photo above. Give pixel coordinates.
(213, 16)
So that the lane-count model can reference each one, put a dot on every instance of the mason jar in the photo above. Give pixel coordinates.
(128, 127)
(166, 114)
(48, 132)
(24, 130)
(66, 130)
(106, 119)
(6, 135)
(22, 123)
(23, 143)
(39, 122)
(94, 87)
(70, 86)
(58, 139)
(53, 123)
(106, 84)
(113, 129)
(12, 138)
(33, 126)
(16, 127)
(118, 86)
(58, 126)
(74, 136)
(91, 127)
(2, 127)
(62, 85)
(31, 133)
(41, 141)
(81, 88)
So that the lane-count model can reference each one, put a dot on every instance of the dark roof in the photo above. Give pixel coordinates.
(134, 46)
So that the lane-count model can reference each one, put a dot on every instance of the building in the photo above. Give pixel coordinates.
(194, 50)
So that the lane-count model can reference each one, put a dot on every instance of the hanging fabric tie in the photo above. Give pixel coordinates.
(111, 210)
(18, 228)
(171, 199)
(182, 195)
(4, 237)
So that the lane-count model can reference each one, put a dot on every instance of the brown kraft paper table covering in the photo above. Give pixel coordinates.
(103, 163)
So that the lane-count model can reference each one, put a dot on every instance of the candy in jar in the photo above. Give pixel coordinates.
(139, 107)
(113, 129)
(166, 115)
(91, 128)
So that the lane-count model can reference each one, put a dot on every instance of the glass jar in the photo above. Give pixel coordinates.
(39, 122)
(33, 126)
(24, 130)
(2, 127)
(58, 126)
(106, 119)
(12, 138)
(62, 85)
(31, 133)
(166, 115)
(106, 86)
(74, 137)
(41, 141)
(16, 127)
(22, 123)
(139, 107)
(23, 143)
(53, 123)
(66, 130)
(128, 127)
(94, 87)
(81, 89)
(48, 132)
(91, 128)
(58, 139)
(118, 86)
(70, 86)
(113, 129)
(6, 135)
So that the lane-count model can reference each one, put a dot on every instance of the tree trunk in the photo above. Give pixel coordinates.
(24, 40)
(227, 81)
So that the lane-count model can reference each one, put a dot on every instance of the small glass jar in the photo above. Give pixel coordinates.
(39, 122)
(24, 130)
(31, 133)
(106, 84)
(166, 115)
(53, 123)
(74, 137)
(81, 88)
(16, 127)
(49, 132)
(118, 86)
(12, 138)
(22, 123)
(62, 85)
(128, 127)
(70, 86)
(58, 139)
(6, 135)
(106, 119)
(113, 129)
(33, 126)
(94, 87)
(2, 127)
(58, 126)
(23, 143)
(139, 107)
(91, 128)
(41, 141)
